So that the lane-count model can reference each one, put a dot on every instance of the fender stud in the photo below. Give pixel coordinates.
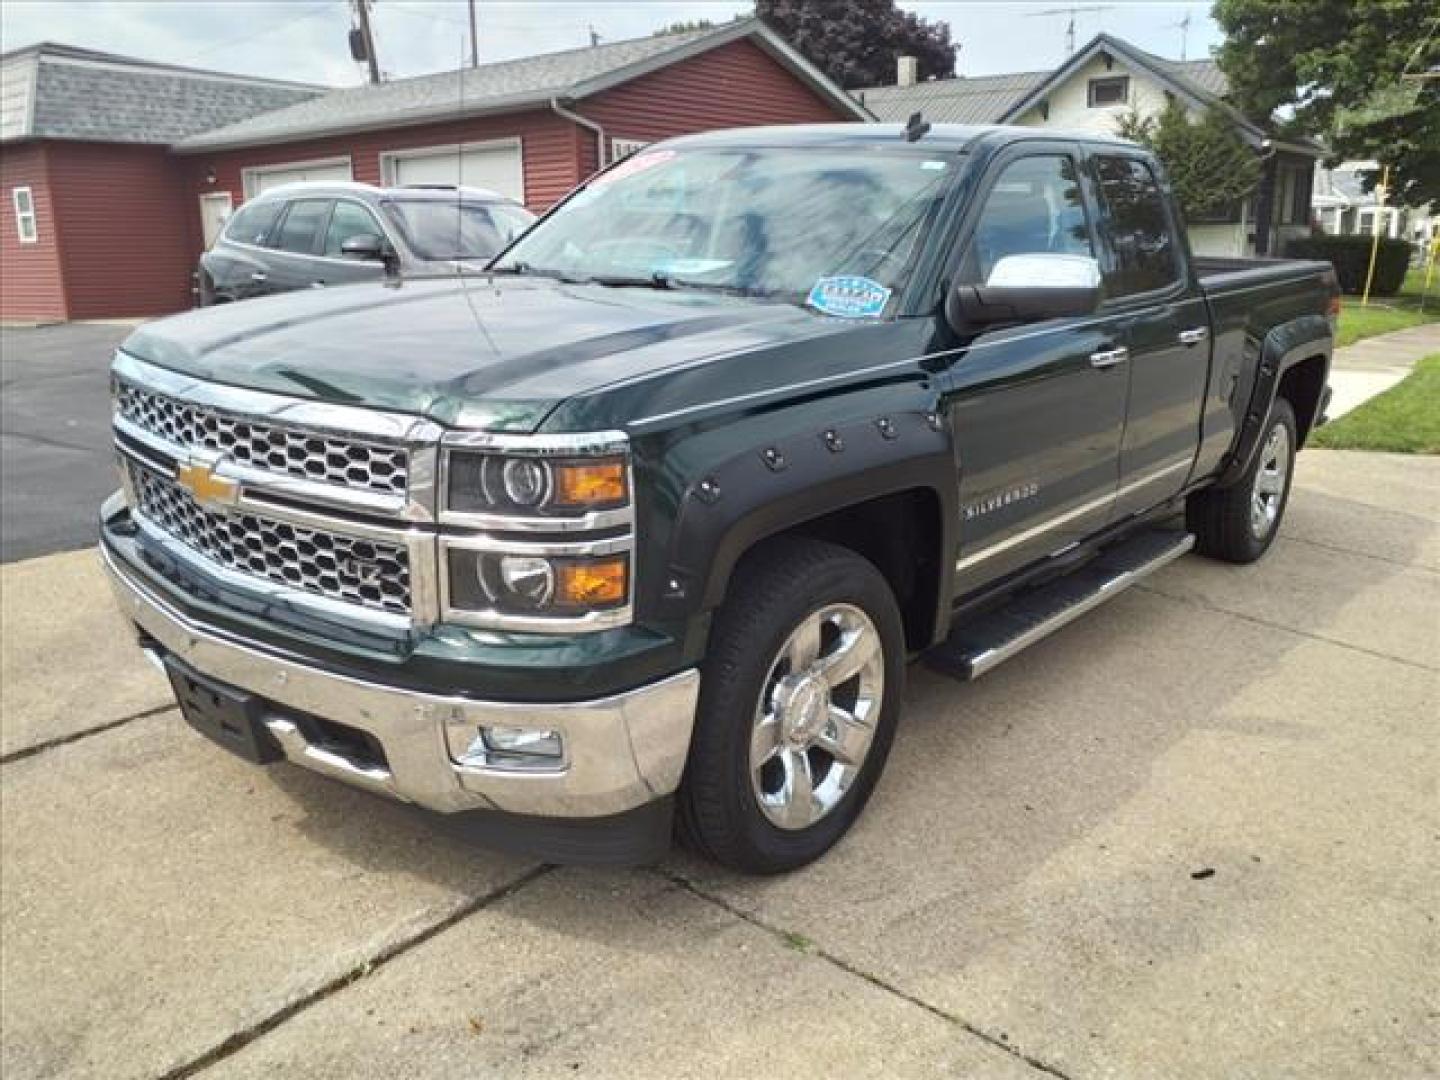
(887, 428)
(933, 419)
(774, 459)
(709, 490)
(833, 442)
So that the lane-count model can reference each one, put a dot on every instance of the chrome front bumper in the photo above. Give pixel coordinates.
(620, 752)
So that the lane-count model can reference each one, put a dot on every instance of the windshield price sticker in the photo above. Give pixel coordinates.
(849, 297)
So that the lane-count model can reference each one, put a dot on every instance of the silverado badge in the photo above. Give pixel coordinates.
(199, 478)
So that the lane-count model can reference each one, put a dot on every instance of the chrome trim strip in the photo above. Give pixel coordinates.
(990, 658)
(623, 751)
(1069, 515)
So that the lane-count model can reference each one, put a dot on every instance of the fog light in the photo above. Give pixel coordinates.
(517, 747)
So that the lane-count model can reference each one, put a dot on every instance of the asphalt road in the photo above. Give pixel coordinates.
(56, 461)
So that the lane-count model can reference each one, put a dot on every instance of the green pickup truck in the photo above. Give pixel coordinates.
(642, 524)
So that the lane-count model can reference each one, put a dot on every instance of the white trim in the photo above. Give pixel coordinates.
(389, 158)
(25, 217)
(206, 196)
(621, 148)
(249, 174)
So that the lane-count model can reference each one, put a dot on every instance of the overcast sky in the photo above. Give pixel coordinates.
(305, 40)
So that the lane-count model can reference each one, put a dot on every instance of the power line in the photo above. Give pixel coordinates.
(230, 44)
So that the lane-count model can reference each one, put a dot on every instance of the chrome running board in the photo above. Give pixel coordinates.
(979, 644)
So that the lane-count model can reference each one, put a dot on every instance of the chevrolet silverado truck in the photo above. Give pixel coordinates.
(641, 525)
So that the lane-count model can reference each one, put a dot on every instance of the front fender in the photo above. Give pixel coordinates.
(772, 471)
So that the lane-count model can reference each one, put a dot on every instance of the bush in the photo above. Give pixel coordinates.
(1350, 255)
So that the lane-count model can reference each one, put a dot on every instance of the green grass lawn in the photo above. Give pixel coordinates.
(1387, 313)
(1405, 419)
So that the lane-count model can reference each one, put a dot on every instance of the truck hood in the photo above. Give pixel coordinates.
(484, 352)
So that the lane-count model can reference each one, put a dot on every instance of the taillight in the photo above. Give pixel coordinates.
(1334, 309)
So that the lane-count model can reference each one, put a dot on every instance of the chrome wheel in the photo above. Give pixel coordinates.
(816, 715)
(1268, 490)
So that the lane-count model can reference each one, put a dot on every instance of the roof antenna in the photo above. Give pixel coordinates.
(916, 127)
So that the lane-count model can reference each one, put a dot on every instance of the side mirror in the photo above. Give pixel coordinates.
(1027, 288)
(367, 246)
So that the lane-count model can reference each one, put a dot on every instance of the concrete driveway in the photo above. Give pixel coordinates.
(1191, 835)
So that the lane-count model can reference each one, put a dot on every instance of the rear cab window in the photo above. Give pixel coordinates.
(1146, 257)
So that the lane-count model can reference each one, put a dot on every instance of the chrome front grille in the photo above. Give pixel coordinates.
(290, 451)
(369, 573)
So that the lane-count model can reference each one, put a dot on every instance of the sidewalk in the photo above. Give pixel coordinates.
(1374, 365)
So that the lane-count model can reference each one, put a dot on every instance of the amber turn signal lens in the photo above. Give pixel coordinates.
(591, 484)
(593, 582)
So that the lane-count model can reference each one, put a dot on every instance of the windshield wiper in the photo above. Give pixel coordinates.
(657, 280)
(526, 270)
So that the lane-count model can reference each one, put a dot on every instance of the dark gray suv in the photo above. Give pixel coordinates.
(304, 236)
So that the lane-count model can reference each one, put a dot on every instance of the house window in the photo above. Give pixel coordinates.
(25, 226)
(1111, 91)
(623, 148)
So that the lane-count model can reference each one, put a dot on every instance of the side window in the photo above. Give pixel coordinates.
(25, 226)
(1145, 256)
(253, 221)
(349, 219)
(1034, 208)
(301, 228)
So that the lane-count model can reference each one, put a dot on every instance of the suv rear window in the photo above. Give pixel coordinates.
(253, 221)
(301, 229)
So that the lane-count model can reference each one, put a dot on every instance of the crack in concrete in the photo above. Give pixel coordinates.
(859, 973)
(76, 736)
(57, 444)
(1362, 554)
(1204, 606)
(244, 1037)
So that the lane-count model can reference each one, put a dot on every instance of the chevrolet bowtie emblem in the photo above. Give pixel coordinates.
(198, 478)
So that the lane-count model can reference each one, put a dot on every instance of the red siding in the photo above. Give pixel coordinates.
(547, 148)
(127, 245)
(31, 286)
(735, 85)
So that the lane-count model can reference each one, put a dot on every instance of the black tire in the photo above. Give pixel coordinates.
(1220, 518)
(773, 591)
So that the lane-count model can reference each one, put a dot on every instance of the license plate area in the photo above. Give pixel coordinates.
(230, 717)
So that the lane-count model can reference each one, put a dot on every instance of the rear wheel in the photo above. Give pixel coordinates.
(798, 705)
(1238, 523)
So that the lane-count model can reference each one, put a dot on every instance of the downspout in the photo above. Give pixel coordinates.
(601, 142)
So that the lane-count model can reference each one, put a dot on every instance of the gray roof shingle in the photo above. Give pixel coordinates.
(60, 92)
(980, 99)
(498, 87)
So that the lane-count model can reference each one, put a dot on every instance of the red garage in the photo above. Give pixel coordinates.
(529, 128)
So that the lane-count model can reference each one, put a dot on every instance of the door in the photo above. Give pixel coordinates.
(495, 167)
(215, 210)
(349, 218)
(1037, 410)
(1165, 326)
(329, 171)
(294, 259)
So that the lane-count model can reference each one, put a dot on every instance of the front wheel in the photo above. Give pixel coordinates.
(1238, 523)
(798, 705)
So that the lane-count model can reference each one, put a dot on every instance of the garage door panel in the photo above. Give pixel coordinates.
(497, 168)
(263, 179)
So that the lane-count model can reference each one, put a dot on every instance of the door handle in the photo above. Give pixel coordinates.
(317, 284)
(1107, 358)
(1193, 336)
(259, 278)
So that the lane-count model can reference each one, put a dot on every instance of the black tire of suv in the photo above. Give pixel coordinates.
(1220, 517)
(773, 590)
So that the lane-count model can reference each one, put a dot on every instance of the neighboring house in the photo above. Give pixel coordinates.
(531, 129)
(1344, 208)
(1091, 91)
(96, 217)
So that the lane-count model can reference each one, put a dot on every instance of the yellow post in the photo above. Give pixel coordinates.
(1380, 192)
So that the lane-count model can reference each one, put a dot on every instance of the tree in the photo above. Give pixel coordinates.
(1334, 68)
(684, 27)
(1209, 165)
(856, 42)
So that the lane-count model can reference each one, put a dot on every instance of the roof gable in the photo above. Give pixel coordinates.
(505, 87)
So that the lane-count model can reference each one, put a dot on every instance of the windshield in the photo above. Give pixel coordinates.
(437, 229)
(762, 222)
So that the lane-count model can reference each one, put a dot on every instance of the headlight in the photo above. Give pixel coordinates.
(500, 494)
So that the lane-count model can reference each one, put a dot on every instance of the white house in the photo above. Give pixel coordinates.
(1091, 91)
(1344, 208)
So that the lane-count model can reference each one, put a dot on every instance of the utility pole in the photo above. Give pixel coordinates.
(362, 9)
(474, 41)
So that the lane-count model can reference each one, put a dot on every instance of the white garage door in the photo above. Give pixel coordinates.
(318, 172)
(494, 167)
